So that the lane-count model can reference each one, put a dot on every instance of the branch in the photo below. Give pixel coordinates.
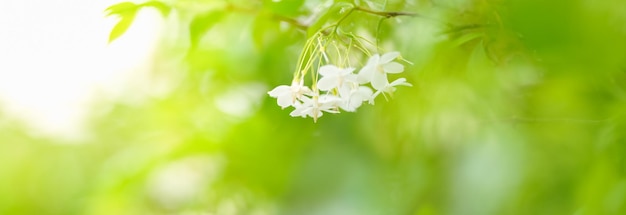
(303, 26)
(465, 27)
(386, 14)
(291, 21)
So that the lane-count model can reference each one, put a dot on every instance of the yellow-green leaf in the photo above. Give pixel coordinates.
(467, 38)
(284, 8)
(162, 7)
(201, 24)
(121, 27)
(330, 14)
(121, 8)
(264, 30)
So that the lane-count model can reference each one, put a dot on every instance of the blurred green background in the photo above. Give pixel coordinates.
(518, 107)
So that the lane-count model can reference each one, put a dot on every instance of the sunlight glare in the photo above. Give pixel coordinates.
(54, 55)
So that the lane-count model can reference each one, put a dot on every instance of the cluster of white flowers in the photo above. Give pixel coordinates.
(340, 88)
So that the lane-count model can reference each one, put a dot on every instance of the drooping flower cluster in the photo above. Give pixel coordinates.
(340, 88)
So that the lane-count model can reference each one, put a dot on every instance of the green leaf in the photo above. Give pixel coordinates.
(478, 58)
(467, 38)
(264, 30)
(285, 7)
(480, 68)
(121, 8)
(162, 7)
(126, 11)
(330, 14)
(201, 24)
(121, 27)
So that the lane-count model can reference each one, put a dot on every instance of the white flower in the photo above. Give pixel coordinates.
(334, 77)
(340, 88)
(287, 95)
(314, 107)
(390, 88)
(376, 69)
(353, 97)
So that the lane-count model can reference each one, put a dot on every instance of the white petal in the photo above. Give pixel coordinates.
(389, 89)
(349, 106)
(365, 75)
(364, 92)
(319, 114)
(313, 113)
(346, 71)
(305, 91)
(298, 112)
(355, 103)
(371, 101)
(386, 58)
(306, 101)
(400, 81)
(285, 101)
(344, 91)
(327, 83)
(352, 78)
(329, 70)
(302, 109)
(280, 90)
(331, 110)
(328, 101)
(330, 106)
(373, 60)
(379, 80)
(393, 67)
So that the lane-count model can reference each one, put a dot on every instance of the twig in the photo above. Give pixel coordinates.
(464, 27)
(291, 21)
(387, 14)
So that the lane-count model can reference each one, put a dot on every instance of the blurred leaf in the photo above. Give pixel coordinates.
(263, 29)
(121, 27)
(539, 130)
(162, 7)
(480, 67)
(332, 12)
(285, 8)
(466, 38)
(126, 11)
(618, 82)
(201, 24)
(121, 8)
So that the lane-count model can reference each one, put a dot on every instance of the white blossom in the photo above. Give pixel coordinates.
(376, 69)
(389, 88)
(287, 95)
(340, 88)
(315, 106)
(352, 98)
(334, 77)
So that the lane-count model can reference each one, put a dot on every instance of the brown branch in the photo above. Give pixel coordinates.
(302, 26)
(291, 21)
(386, 14)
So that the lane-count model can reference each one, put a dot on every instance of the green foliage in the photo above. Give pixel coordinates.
(127, 11)
(284, 8)
(160, 6)
(518, 107)
(201, 24)
(333, 13)
(264, 30)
